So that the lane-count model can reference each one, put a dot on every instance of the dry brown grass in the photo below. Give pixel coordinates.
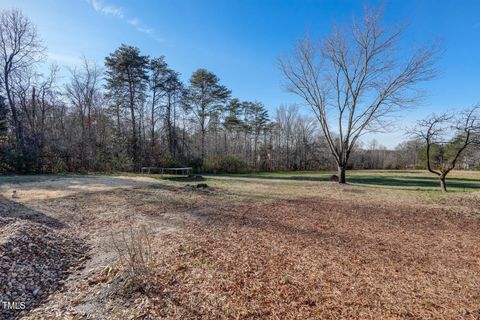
(134, 249)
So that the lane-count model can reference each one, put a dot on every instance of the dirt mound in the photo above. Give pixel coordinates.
(34, 259)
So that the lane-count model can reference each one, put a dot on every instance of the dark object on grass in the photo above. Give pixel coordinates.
(334, 177)
(202, 185)
(195, 177)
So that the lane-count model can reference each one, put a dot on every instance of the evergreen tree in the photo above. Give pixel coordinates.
(174, 90)
(127, 80)
(159, 73)
(206, 96)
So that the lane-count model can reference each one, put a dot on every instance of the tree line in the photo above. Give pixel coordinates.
(135, 110)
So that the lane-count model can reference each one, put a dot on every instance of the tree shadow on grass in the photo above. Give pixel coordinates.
(409, 181)
(11, 209)
(283, 177)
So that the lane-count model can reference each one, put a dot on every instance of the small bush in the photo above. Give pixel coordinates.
(59, 167)
(134, 248)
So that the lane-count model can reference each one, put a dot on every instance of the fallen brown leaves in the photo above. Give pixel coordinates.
(317, 258)
(264, 250)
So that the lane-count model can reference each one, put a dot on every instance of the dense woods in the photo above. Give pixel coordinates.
(134, 110)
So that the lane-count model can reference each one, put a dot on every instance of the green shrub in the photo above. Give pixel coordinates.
(59, 166)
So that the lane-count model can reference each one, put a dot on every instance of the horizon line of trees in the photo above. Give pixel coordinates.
(135, 111)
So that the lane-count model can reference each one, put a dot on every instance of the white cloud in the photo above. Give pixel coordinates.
(146, 30)
(107, 9)
(118, 12)
(134, 21)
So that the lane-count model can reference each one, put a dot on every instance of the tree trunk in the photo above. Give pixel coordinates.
(204, 133)
(174, 131)
(443, 184)
(19, 137)
(255, 151)
(152, 129)
(169, 124)
(136, 166)
(341, 174)
(225, 141)
(134, 141)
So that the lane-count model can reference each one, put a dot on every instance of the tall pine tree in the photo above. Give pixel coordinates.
(206, 95)
(127, 80)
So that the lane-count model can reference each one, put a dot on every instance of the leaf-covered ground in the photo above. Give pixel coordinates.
(249, 248)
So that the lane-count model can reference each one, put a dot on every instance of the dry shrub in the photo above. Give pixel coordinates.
(134, 248)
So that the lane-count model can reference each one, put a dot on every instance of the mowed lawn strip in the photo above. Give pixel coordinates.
(396, 179)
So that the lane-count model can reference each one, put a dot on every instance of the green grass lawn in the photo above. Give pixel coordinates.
(397, 179)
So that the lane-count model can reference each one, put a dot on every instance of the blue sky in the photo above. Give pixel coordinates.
(240, 40)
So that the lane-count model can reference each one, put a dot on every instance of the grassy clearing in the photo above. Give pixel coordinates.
(396, 179)
(418, 180)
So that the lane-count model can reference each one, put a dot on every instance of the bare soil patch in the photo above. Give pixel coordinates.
(57, 187)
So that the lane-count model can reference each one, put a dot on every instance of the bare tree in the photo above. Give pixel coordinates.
(34, 94)
(355, 79)
(83, 91)
(286, 116)
(442, 149)
(20, 49)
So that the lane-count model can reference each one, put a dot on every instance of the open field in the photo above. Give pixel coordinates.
(273, 245)
(398, 179)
